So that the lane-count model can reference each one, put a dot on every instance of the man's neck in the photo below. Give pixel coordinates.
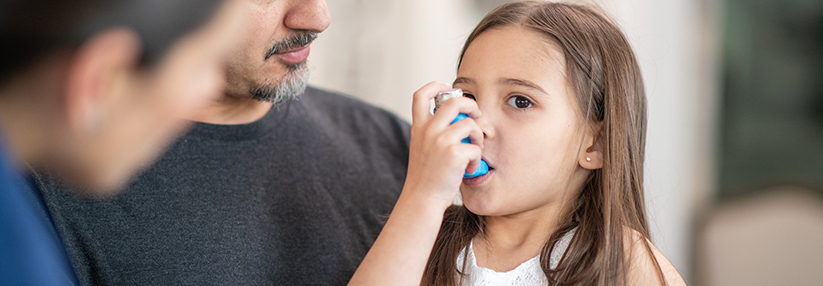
(228, 110)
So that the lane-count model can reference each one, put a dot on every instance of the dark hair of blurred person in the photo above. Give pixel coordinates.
(93, 90)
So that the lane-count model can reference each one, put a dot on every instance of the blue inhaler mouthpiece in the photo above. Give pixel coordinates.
(439, 100)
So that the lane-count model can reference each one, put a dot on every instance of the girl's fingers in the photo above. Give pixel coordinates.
(466, 128)
(471, 152)
(474, 154)
(447, 112)
(421, 100)
(476, 135)
(438, 141)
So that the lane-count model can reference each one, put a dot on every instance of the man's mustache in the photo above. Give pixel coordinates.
(296, 41)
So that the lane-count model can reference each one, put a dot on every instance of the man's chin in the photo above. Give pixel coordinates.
(291, 86)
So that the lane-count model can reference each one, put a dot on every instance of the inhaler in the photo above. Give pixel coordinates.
(438, 101)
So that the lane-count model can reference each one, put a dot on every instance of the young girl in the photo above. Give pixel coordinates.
(563, 131)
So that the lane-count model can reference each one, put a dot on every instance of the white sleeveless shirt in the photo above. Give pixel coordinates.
(526, 274)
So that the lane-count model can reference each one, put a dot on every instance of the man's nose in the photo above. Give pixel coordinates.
(308, 15)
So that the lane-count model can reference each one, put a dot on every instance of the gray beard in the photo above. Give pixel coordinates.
(288, 88)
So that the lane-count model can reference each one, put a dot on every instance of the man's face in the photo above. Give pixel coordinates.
(271, 63)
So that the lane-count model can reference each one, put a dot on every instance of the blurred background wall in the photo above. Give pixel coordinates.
(735, 90)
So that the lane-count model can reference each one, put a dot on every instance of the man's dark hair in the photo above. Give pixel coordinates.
(30, 29)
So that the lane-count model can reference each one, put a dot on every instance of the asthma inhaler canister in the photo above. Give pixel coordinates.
(438, 101)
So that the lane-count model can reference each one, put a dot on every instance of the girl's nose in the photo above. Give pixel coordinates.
(485, 124)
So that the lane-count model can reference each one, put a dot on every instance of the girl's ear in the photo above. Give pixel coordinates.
(98, 72)
(592, 156)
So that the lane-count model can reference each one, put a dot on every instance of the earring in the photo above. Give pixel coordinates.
(588, 159)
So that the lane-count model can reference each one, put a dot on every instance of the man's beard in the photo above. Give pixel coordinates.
(289, 87)
(297, 75)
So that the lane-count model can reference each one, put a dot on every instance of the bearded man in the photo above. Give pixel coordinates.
(276, 184)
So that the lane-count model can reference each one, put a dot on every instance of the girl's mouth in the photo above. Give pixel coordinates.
(479, 179)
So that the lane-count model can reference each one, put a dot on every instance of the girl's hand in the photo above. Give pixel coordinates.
(437, 159)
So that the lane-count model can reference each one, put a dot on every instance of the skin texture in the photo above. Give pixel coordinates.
(95, 117)
(270, 22)
(535, 140)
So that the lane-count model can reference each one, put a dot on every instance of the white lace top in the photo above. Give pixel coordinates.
(527, 273)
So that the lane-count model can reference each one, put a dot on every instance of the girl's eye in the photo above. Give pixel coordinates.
(469, 95)
(519, 101)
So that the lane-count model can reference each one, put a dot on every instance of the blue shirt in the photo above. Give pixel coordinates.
(31, 252)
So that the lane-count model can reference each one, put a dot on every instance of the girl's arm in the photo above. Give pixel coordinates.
(437, 161)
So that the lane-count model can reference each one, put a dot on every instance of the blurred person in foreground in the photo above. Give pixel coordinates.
(92, 91)
(276, 184)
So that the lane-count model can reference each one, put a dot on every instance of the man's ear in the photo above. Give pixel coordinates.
(96, 72)
(592, 156)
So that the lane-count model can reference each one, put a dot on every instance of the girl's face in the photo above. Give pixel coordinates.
(534, 132)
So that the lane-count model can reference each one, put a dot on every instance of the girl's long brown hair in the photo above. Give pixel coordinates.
(603, 71)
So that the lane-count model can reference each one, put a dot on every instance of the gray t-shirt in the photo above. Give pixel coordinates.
(295, 198)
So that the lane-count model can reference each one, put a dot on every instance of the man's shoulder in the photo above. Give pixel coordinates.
(317, 93)
(349, 113)
(330, 101)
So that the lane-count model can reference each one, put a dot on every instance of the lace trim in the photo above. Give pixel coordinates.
(527, 273)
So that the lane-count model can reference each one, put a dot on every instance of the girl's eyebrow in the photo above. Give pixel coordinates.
(462, 80)
(505, 81)
(521, 82)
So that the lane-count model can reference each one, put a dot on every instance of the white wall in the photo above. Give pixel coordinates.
(384, 50)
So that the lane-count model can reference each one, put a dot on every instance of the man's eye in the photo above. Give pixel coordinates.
(469, 95)
(519, 101)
